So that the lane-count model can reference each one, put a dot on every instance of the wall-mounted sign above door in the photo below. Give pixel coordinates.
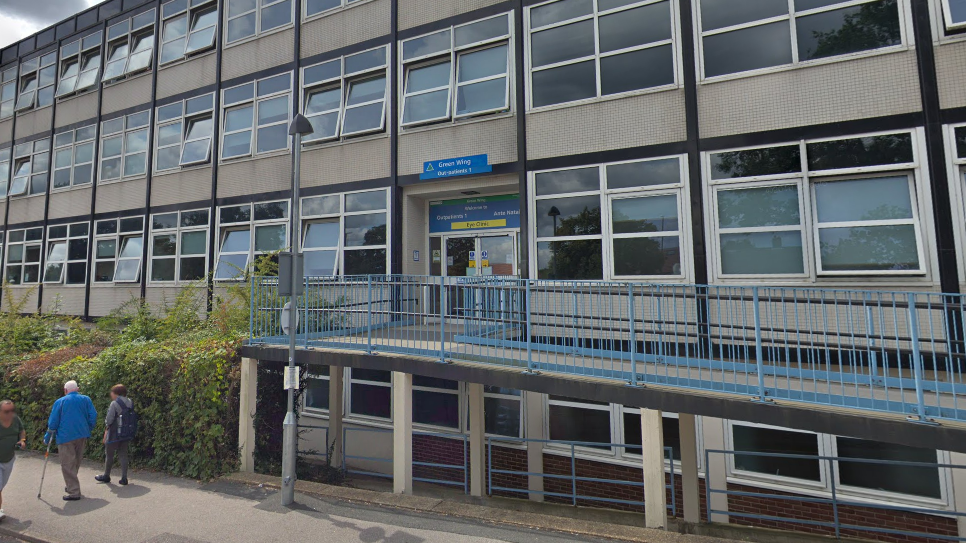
(482, 213)
(455, 167)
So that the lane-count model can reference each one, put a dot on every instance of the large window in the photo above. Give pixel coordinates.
(849, 208)
(4, 170)
(246, 231)
(316, 397)
(744, 36)
(345, 234)
(255, 117)
(80, 61)
(459, 72)
(8, 92)
(370, 393)
(179, 246)
(315, 7)
(31, 162)
(74, 157)
(436, 402)
(66, 261)
(23, 256)
(130, 46)
(124, 147)
(247, 18)
(187, 28)
(346, 96)
(580, 49)
(184, 133)
(118, 250)
(954, 14)
(37, 78)
(621, 220)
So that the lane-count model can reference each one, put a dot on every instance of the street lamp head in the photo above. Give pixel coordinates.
(554, 212)
(300, 125)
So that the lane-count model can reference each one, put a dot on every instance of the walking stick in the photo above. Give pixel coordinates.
(46, 457)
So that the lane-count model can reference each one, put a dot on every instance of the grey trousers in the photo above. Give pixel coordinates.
(71, 454)
(119, 448)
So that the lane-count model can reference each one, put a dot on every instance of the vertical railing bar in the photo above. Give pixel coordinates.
(573, 473)
(758, 349)
(835, 499)
(633, 333)
(369, 316)
(916, 355)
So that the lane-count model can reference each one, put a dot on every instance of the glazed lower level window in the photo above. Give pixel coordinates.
(66, 261)
(24, 249)
(179, 246)
(345, 234)
(118, 250)
(370, 393)
(317, 389)
(247, 231)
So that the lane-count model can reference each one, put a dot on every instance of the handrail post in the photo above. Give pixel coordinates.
(835, 500)
(758, 349)
(633, 334)
(529, 310)
(674, 498)
(707, 483)
(305, 310)
(442, 320)
(489, 466)
(345, 467)
(252, 297)
(916, 356)
(369, 316)
(573, 473)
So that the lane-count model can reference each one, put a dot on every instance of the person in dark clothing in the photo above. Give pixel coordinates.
(113, 446)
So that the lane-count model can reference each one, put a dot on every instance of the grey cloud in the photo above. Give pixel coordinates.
(41, 12)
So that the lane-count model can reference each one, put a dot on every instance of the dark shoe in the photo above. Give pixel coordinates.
(69, 498)
(122, 482)
(102, 478)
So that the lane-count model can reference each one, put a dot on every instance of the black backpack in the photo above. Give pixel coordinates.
(127, 422)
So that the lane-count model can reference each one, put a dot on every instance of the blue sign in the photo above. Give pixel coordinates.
(455, 167)
(482, 213)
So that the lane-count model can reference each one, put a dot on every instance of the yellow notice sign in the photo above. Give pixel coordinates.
(472, 264)
(496, 223)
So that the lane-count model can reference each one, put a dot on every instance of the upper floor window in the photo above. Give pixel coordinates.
(8, 91)
(246, 231)
(188, 29)
(739, 36)
(23, 256)
(256, 117)
(345, 234)
(130, 46)
(37, 78)
(346, 96)
(74, 157)
(31, 162)
(184, 133)
(954, 14)
(179, 246)
(124, 146)
(851, 207)
(80, 60)
(4, 170)
(66, 261)
(118, 250)
(314, 7)
(458, 72)
(582, 49)
(247, 18)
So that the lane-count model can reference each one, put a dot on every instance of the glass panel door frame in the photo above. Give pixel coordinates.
(514, 234)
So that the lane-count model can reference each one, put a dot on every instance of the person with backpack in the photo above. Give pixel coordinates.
(72, 419)
(120, 426)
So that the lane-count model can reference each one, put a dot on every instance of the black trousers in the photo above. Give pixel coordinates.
(120, 449)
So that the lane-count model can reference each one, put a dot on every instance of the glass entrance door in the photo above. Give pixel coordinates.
(472, 256)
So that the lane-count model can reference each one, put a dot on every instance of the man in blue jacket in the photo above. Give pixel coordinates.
(71, 421)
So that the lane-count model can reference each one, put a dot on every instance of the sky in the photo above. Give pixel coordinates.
(21, 18)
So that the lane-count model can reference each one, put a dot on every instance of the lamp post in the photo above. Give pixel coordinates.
(554, 213)
(299, 127)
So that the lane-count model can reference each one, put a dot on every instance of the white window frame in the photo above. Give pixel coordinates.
(805, 180)
(88, 49)
(956, 173)
(259, 6)
(8, 79)
(505, 397)
(191, 11)
(905, 33)
(341, 248)
(312, 376)
(125, 131)
(349, 414)
(460, 408)
(674, 42)
(6, 154)
(343, 4)
(31, 73)
(681, 189)
(130, 33)
(454, 54)
(252, 226)
(72, 147)
(119, 237)
(25, 244)
(185, 119)
(253, 102)
(178, 231)
(66, 261)
(29, 153)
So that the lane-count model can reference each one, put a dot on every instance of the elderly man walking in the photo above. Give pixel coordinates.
(71, 422)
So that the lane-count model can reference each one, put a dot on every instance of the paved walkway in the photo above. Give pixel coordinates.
(157, 508)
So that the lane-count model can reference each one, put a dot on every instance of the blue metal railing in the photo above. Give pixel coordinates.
(574, 495)
(833, 500)
(895, 352)
(462, 468)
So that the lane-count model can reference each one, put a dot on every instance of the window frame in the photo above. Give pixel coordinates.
(178, 232)
(343, 4)
(119, 237)
(66, 262)
(9, 77)
(253, 102)
(184, 119)
(84, 54)
(123, 134)
(956, 173)
(252, 226)
(73, 145)
(258, 32)
(191, 11)
(349, 414)
(38, 147)
(25, 244)
(313, 376)
(6, 161)
(341, 247)
(130, 38)
(30, 72)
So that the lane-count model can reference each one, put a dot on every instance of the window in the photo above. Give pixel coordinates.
(582, 49)
(370, 393)
(8, 92)
(118, 250)
(314, 7)
(30, 165)
(179, 246)
(247, 231)
(37, 78)
(80, 60)
(760, 439)
(768, 33)
(130, 46)
(124, 147)
(635, 440)
(458, 72)
(436, 402)
(187, 29)
(849, 208)
(345, 234)
(316, 396)
(184, 133)
(247, 18)
(618, 220)
(502, 411)
(67, 254)
(954, 14)
(4, 170)
(255, 117)
(23, 256)
(74, 157)
(346, 96)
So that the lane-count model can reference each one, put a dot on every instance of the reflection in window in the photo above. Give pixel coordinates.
(768, 440)
(345, 234)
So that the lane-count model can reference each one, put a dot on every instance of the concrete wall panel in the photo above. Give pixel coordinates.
(126, 94)
(64, 300)
(352, 25)
(120, 196)
(187, 186)
(33, 122)
(255, 176)
(951, 71)
(496, 138)
(419, 12)
(76, 109)
(70, 203)
(6, 130)
(256, 55)
(26, 209)
(108, 297)
(192, 74)
(357, 161)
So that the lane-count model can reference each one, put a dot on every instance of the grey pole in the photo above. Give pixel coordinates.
(300, 125)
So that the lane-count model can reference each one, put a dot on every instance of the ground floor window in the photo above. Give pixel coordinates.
(346, 234)
(502, 411)
(370, 393)
(316, 395)
(436, 402)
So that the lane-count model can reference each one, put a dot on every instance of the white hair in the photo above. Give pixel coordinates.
(71, 386)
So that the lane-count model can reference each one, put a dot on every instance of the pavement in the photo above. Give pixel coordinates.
(156, 508)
